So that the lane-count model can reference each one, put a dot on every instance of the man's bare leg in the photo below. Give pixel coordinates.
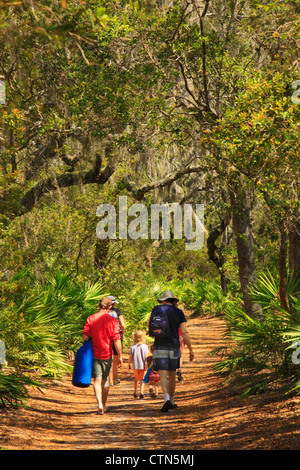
(105, 390)
(172, 383)
(168, 384)
(163, 375)
(98, 392)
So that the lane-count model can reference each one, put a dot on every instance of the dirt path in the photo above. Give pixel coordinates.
(210, 415)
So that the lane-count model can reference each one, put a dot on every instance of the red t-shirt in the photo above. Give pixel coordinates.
(104, 329)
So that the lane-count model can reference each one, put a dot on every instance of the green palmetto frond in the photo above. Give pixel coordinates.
(52, 320)
(266, 290)
(92, 292)
(14, 388)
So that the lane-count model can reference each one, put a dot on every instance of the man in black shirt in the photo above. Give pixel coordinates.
(166, 354)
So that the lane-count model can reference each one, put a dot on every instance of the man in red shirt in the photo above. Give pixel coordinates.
(104, 330)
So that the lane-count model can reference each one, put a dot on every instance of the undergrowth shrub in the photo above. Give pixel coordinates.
(255, 345)
(41, 327)
(14, 389)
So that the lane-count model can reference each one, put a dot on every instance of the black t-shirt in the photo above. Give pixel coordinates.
(119, 313)
(176, 317)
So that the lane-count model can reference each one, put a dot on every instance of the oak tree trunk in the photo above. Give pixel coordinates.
(294, 252)
(241, 204)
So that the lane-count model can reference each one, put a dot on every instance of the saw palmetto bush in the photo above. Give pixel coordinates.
(256, 345)
(43, 326)
(292, 340)
(14, 389)
(201, 297)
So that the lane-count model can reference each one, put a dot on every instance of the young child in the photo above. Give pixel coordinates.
(137, 357)
(154, 379)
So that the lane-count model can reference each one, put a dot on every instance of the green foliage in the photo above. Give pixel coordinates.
(263, 136)
(256, 339)
(266, 291)
(260, 345)
(42, 327)
(14, 388)
(203, 296)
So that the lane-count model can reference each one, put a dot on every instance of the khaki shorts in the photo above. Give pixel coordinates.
(101, 368)
(166, 359)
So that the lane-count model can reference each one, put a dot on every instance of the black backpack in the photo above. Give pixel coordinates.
(159, 326)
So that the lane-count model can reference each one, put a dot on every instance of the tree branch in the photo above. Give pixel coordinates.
(204, 55)
(139, 193)
(63, 181)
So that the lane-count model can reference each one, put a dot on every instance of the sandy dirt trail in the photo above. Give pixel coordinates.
(210, 416)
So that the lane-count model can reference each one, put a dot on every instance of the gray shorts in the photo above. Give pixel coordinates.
(166, 359)
(101, 368)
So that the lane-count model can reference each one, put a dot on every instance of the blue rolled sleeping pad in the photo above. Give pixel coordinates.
(83, 365)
